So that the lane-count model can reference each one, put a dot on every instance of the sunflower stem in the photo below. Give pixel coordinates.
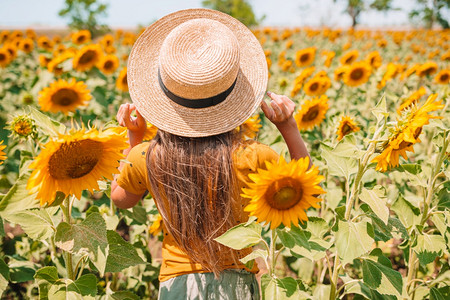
(272, 254)
(66, 208)
(334, 276)
(425, 215)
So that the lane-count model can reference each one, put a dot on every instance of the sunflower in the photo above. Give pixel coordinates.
(60, 49)
(45, 43)
(64, 96)
(121, 82)
(2, 154)
(339, 72)
(23, 126)
(443, 77)
(157, 226)
(305, 57)
(74, 162)
(5, 57)
(445, 56)
(412, 99)
(108, 64)
(374, 59)
(346, 125)
(410, 71)
(406, 133)
(55, 64)
(283, 192)
(357, 74)
(349, 57)
(382, 43)
(81, 37)
(428, 68)
(107, 40)
(312, 112)
(26, 45)
(12, 50)
(317, 86)
(150, 133)
(4, 35)
(87, 57)
(329, 55)
(250, 128)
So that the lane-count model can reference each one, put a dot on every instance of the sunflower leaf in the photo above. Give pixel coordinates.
(352, 240)
(338, 165)
(18, 198)
(428, 247)
(241, 236)
(376, 199)
(37, 223)
(381, 278)
(406, 212)
(121, 253)
(47, 124)
(4, 276)
(380, 110)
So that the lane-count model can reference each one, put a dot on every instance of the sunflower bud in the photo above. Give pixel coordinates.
(27, 99)
(23, 126)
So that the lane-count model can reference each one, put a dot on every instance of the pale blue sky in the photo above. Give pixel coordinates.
(127, 13)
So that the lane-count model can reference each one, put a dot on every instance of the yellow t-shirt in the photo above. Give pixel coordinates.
(247, 158)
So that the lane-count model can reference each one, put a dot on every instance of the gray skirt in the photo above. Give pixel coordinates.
(233, 284)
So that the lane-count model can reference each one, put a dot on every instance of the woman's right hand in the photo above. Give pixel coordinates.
(280, 112)
(136, 125)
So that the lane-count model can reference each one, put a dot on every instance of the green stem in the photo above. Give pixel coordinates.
(66, 208)
(334, 276)
(425, 216)
(272, 254)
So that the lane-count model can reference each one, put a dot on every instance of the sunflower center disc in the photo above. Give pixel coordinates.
(405, 144)
(346, 129)
(64, 97)
(357, 74)
(311, 114)
(2, 57)
(75, 159)
(87, 57)
(285, 198)
(314, 86)
(304, 57)
(443, 78)
(108, 65)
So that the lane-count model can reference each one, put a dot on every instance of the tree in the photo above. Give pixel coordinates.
(356, 7)
(239, 9)
(84, 14)
(431, 12)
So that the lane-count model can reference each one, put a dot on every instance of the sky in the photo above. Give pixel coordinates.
(129, 13)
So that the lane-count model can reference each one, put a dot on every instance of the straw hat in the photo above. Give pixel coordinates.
(197, 72)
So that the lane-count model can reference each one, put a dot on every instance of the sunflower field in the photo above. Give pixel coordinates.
(369, 220)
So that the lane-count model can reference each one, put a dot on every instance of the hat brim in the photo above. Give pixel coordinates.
(161, 111)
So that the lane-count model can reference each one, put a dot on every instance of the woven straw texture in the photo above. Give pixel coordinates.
(195, 64)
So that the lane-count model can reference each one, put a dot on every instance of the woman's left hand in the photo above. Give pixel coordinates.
(136, 125)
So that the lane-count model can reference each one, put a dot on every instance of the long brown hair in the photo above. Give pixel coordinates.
(193, 184)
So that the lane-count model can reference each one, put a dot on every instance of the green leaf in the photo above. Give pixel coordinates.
(121, 253)
(410, 168)
(317, 226)
(294, 236)
(338, 165)
(2, 228)
(36, 223)
(48, 274)
(255, 254)
(138, 214)
(18, 199)
(65, 289)
(429, 247)
(440, 222)
(241, 236)
(21, 270)
(124, 295)
(280, 289)
(406, 212)
(384, 232)
(380, 110)
(88, 237)
(376, 199)
(87, 285)
(352, 240)
(435, 294)
(383, 279)
(48, 125)
(4, 276)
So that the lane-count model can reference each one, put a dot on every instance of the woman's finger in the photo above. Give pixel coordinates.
(267, 110)
(276, 108)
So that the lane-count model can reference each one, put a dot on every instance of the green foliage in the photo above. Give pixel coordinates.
(85, 14)
(239, 9)
(241, 236)
(431, 12)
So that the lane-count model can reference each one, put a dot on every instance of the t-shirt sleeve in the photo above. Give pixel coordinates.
(133, 177)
